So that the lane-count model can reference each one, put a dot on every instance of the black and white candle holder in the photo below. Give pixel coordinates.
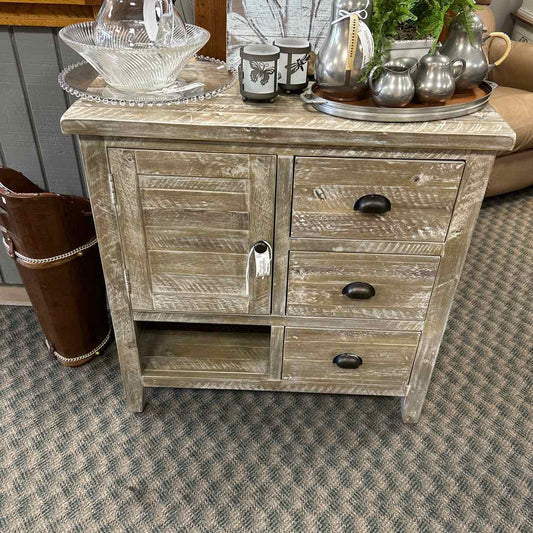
(293, 62)
(258, 72)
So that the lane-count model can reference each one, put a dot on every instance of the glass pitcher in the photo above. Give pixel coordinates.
(138, 24)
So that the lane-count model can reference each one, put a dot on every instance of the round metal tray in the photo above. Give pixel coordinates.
(202, 78)
(367, 111)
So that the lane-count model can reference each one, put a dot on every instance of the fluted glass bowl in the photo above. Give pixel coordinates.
(135, 70)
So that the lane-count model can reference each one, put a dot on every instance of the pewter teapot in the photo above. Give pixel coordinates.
(458, 44)
(435, 78)
(340, 66)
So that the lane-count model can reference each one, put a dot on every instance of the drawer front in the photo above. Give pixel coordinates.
(384, 357)
(419, 196)
(188, 220)
(402, 285)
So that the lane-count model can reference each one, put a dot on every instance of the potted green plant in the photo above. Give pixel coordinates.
(413, 27)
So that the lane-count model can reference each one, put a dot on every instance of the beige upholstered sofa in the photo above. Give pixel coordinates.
(513, 99)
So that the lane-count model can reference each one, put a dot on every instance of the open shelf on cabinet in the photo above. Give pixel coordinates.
(204, 351)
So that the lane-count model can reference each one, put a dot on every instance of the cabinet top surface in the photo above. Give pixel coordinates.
(287, 121)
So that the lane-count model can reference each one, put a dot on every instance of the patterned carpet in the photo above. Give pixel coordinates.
(73, 459)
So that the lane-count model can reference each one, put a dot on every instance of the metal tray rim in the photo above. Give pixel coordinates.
(382, 114)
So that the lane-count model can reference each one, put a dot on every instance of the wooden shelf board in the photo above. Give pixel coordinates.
(208, 351)
(50, 16)
(64, 2)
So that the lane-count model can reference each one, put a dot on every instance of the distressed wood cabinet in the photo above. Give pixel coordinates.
(357, 301)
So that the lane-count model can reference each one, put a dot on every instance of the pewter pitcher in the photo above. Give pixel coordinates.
(334, 76)
(435, 78)
(395, 87)
(458, 44)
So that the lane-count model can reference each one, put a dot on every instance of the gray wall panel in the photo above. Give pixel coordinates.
(30, 108)
(46, 100)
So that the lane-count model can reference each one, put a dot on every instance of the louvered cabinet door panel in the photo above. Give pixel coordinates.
(354, 285)
(188, 220)
(418, 198)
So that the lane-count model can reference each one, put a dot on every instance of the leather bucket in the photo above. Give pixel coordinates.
(52, 239)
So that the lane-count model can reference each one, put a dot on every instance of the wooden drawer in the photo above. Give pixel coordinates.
(386, 356)
(421, 193)
(402, 284)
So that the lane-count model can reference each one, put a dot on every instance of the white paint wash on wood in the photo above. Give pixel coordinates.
(221, 160)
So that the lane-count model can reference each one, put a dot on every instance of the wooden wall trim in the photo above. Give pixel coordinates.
(14, 295)
(51, 13)
(211, 15)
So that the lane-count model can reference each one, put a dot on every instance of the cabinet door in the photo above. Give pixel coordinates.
(187, 222)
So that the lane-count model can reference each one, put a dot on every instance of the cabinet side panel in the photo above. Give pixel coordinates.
(472, 190)
(94, 156)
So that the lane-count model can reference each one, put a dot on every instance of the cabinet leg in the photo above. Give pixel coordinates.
(135, 396)
(412, 406)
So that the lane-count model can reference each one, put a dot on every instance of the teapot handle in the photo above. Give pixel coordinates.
(453, 63)
(371, 78)
(506, 38)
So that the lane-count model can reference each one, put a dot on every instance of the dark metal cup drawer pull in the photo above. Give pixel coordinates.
(359, 291)
(348, 360)
(375, 204)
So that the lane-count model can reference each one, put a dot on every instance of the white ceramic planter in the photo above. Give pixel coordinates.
(417, 49)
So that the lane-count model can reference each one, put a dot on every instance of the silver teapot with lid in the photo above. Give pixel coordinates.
(435, 78)
(458, 44)
(348, 48)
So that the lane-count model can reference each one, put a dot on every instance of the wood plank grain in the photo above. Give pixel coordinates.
(266, 320)
(193, 164)
(403, 285)
(286, 121)
(67, 2)
(201, 303)
(193, 183)
(122, 165)
(262, 198)
(471, 195)
(387, 356)
(211, 15)
(283, 225)
(422, 194)
(157, 378)
(197, 352)
(198, 263)
(109, 244)
(50, 16)
(197, 218)
(179, 284)
(370, 247)
(197, 239)
(276, 352)
(180, 199)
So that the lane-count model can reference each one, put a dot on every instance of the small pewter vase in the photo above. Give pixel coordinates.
(435, 78)
(395, 87)
(458, 44)
(337, 74)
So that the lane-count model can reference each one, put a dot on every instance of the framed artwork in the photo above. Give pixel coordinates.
(261, 21)
(234, 23)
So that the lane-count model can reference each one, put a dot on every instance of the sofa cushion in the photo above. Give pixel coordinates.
(516, 107)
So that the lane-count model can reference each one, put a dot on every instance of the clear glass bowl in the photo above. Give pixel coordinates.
(137, 70)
